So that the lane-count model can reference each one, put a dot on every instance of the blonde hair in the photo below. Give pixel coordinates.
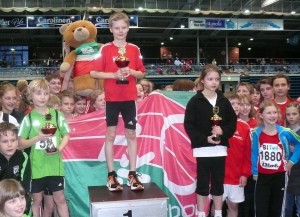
(94, 95)
(263, 105)
(118, 16)
(38, 84)
(5, 88)
(9, 189)
(66, 93)
(53, 101)
(246, 98)
(22, 85)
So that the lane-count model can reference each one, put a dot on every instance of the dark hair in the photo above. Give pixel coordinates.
(281, 76)
(51, 76)
(7, 126)
(78, 98)
(264, 80)
(183, 85)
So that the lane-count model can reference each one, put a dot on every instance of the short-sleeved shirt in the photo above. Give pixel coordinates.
(105, 63)
(43, 164)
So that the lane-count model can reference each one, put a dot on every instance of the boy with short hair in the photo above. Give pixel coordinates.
(281, 86)
(12, 160)
(47, 169)
(67, 103)
(238, 163)
(120, 98)
(266, 88)
(14, 163)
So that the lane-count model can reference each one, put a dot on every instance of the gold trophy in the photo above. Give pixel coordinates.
(216, 121)
(122, 62)
(49, 129)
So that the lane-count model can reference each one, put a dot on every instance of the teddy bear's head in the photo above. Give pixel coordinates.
(78, 33)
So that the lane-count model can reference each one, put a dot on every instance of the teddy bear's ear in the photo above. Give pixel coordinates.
(63, 28)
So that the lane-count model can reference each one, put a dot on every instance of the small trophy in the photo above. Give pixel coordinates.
(122, 62)
(49, 129)
(216, 121)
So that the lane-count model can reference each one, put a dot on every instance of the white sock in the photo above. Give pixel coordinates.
(218, 213)
(201, 214)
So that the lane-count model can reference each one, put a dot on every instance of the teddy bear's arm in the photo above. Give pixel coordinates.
(68, 61)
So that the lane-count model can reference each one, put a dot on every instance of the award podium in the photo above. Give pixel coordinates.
(150, 202)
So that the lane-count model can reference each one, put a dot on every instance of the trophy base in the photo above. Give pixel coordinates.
(122, 82)
(51, 150)
(216, 138)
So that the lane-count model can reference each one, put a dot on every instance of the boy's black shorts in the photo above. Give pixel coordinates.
(51, 183)
(127, 110)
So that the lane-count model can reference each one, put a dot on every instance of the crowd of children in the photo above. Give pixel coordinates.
(262, 173)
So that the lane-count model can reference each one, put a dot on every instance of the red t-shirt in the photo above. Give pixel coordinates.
(271, 154)
(238, 161)
(105, 63)
(282, 108)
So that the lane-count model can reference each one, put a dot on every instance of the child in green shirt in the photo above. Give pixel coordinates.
(47, 168)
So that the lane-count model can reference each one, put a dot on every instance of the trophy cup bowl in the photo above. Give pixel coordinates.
(216, 121)
(49, 129)
(122, 63)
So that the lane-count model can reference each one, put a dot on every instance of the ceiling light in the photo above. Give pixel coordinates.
(171, 38)
(268, 2)
(182, 26)
(140, 8)
(12, 49)
(293, 12)
(247, 11)
(197, 9)
(251, 39)
(162, 43)
(249, 48)
(239, 44)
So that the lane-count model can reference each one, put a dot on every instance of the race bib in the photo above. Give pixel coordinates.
(270, 156)
(43, 144)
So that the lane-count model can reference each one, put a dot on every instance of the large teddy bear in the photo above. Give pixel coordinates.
(81, 35)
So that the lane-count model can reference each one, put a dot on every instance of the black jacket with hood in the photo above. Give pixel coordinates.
(197, 122)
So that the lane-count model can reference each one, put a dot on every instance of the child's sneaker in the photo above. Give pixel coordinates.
(134, 182)
(112, 182)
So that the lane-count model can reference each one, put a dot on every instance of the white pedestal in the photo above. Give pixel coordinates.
(151, 202)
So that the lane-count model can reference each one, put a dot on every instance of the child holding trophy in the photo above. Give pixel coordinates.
(120, 64)
(47, 133)
(209, 122)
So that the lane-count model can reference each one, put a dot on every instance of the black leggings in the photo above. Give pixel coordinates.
(210, 170)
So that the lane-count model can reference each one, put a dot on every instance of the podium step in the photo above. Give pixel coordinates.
(150, 202)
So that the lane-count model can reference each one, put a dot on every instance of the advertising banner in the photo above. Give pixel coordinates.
(102, 21)
(41, 21)
(7, 22)
(260, 24)
(213, 23)
(236, 24)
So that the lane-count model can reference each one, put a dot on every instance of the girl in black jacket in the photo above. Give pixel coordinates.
(209, 150)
